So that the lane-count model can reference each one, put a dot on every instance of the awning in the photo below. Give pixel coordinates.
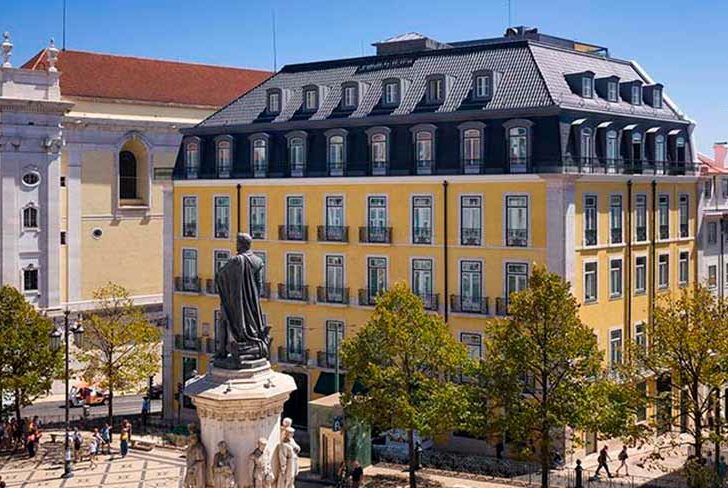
(630, 127)
(325, 383)
(604, 125)
(674, 132)
(652, 130)
(578, 122)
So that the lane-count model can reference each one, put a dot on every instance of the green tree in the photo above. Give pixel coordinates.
(688, 340)
(543, 371)
(28, 364)
(122, 348)
(404, 358)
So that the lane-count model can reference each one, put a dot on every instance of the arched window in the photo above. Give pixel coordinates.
(586, 149)
(660, 154)
(192, 159)
(517, 146)
(680, 149)
(127, 176)
(30, 218)
(260, 157)
(612, 149)
(472, 144)
(224, 158)
(379, 148)
(30, 278)
(423, 147)
(296, 152)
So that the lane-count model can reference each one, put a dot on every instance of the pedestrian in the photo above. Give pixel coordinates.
(357, 475)
(125, 424)
(106, 438)
(341, 475)
(622, 457)
(30, 443)
(93, 449)
(146, 409)
(124, 442)
(722, 468)
(602, 460)
(77, 444)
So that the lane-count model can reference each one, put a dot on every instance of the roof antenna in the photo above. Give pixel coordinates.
(275, 53)
(63, 43)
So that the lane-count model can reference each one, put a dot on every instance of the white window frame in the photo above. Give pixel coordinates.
(587, 87)
(30, 207)
(468, 345)
(646, 219)
(612, 91)
(229, 216)
(224, 155)
(506, 197)
(585, 220)
(613, 291)
(660, 262)
(680, 280)
(595, 298)
(611, 217)
(643, 290)
(616, 352)
(431, 239)
(265, 215)
(197, 217)
(29, 268)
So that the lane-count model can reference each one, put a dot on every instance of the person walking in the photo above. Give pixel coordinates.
(357, 475)
(124, 442)
(622, 457)
(342, 475)
(106, 438)
(602, 460)
(146, 409)
(93, 448)
(77, 445)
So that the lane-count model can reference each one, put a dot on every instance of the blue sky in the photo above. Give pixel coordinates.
(683, 45)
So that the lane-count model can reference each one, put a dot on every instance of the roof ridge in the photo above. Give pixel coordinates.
(543, 78)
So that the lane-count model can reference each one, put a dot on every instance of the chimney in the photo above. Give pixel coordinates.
(720, 150)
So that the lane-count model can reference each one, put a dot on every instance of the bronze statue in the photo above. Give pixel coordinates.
(242, 335)
(196, 475)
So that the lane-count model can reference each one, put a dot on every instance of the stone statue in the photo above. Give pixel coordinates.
(261, 475)
(196, 476)
(287, 423)
(285, 461)
(223, 468)
(243, 336)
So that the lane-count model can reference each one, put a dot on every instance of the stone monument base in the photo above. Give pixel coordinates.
(239, 407)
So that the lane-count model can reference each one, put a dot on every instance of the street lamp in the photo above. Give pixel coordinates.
(56, 335)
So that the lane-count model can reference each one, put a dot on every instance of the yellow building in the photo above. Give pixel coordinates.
(452, 169)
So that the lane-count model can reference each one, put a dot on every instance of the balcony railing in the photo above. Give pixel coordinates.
(184, 343)
(290, 356)
(260, 169)
(336, 169)
(188, 284)
(326, 294)
(470, 236)
(616, 235)
(287, 291)
(517, 237)
(470, 304)
(684, 230)
(472, 166)
(501, 306)
(209, 345)
(664, 231)
(368, 296)
(257, 231)
(641, 233)
(422, 235)
(264, 290)
(325, 359)
(293, 232)
(431, 301)
(332, 233)
(298, 169)
(381, 235)
(210, 287)
(380, 168)
(424, 166)
(590, 237)
(189, 230)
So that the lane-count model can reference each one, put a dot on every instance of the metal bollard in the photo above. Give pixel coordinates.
(579, 470)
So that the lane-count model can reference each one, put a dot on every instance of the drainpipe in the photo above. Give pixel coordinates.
(628, 268)
(653, 264)
(239, 211)
(444, 248)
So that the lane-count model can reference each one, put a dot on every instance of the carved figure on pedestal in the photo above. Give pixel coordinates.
(287, 423)
(196, 476)
(223, 468)
(285, 460)
(261, 474)
(242, 334)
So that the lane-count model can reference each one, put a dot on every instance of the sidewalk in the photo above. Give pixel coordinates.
(447, 481)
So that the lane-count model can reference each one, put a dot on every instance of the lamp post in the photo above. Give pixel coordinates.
(77, 330)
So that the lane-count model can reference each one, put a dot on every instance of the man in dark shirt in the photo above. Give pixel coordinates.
(357, 475)
(602, 460)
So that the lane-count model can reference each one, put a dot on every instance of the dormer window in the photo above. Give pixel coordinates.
(391, 93)
(656, 98)
(310, 99)
(587, 87)
(350, 96)
(273, 105)
(482, 86)
(612, 91)
(636, 92)
(435, 90)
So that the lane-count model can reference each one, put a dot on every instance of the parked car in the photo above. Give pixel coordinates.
(84, 394)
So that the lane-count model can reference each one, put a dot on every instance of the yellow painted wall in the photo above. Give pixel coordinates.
(126, 110)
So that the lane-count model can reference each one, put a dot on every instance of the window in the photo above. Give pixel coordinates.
(294, 276)
(680, 149)
(590, 282)
(310, 99)
(684, 267)
(192, 159)
(296, 154)
(30, 278)
(422, 281)
(335, 279)
(587, 145)
(222, 256)
(474, 345)
(335, 218)
(224, 158)
(377, 219)
(587, 87)
(31, 178)
(63, 238)
(615, 347)
(615, 219)
(636, 95)
(708, 189)
(189, 327)
(334, 338)
(30, 218)
(640, 335)
(424, 153)
(260, 157)
(612, 150)
(379, 152)
(189, 216)
(684, 215)
(471, 220)
(222, 217)
(337, 155)
(518, 148)
(612, 91)
(127, 175)
(663, 211)
(516, 221)
(274, 102)
(189, 369)
(712, 276)
(471, 285)
(656, 97)
(376, 276)
(422, 220)
(640, 274)
(294, 338)
(590, 220)
(724, 182)
(640, 218)
(615, 278)
(63, 181)
(636, 146)
(350, 98)
(391, 93)
(189, 270)
(663, 271)
(712, 233)
(482, 86)
(435, 90)
(472, 149)
(294, 218)
(257, 218)
(660, 149)
(516, 278)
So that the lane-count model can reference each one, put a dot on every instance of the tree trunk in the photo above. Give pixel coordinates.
(697, 420)
(17, 405)
(412, 460)
(111, 405)
(545, 464)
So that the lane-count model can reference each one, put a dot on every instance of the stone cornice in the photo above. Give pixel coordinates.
(34, 106)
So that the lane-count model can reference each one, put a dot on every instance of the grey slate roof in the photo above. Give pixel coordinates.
(533, 75)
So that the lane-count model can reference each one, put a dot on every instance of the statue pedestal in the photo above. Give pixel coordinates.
(239, 407)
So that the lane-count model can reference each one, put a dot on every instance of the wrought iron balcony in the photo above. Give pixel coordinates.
(326, 359)
(260, 169)
(424, 166)
(209, 345)
(293, 232)
(431, 301)
(517, 237)
(664, 231)
(290, 356)
(422, 235)
(470, 304)
(184, 343)
(501, 306)
(298, 169)
(188, 284)
(590, 237)
(264, 290)
(336, 169)
(326, 294)
(288, 291)
(189, 230)
(641, 233)
(470, 236)
(379, 168)
(257, 231)
(616, 235)
(332, 233)
(382, 235)
(368, 296)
